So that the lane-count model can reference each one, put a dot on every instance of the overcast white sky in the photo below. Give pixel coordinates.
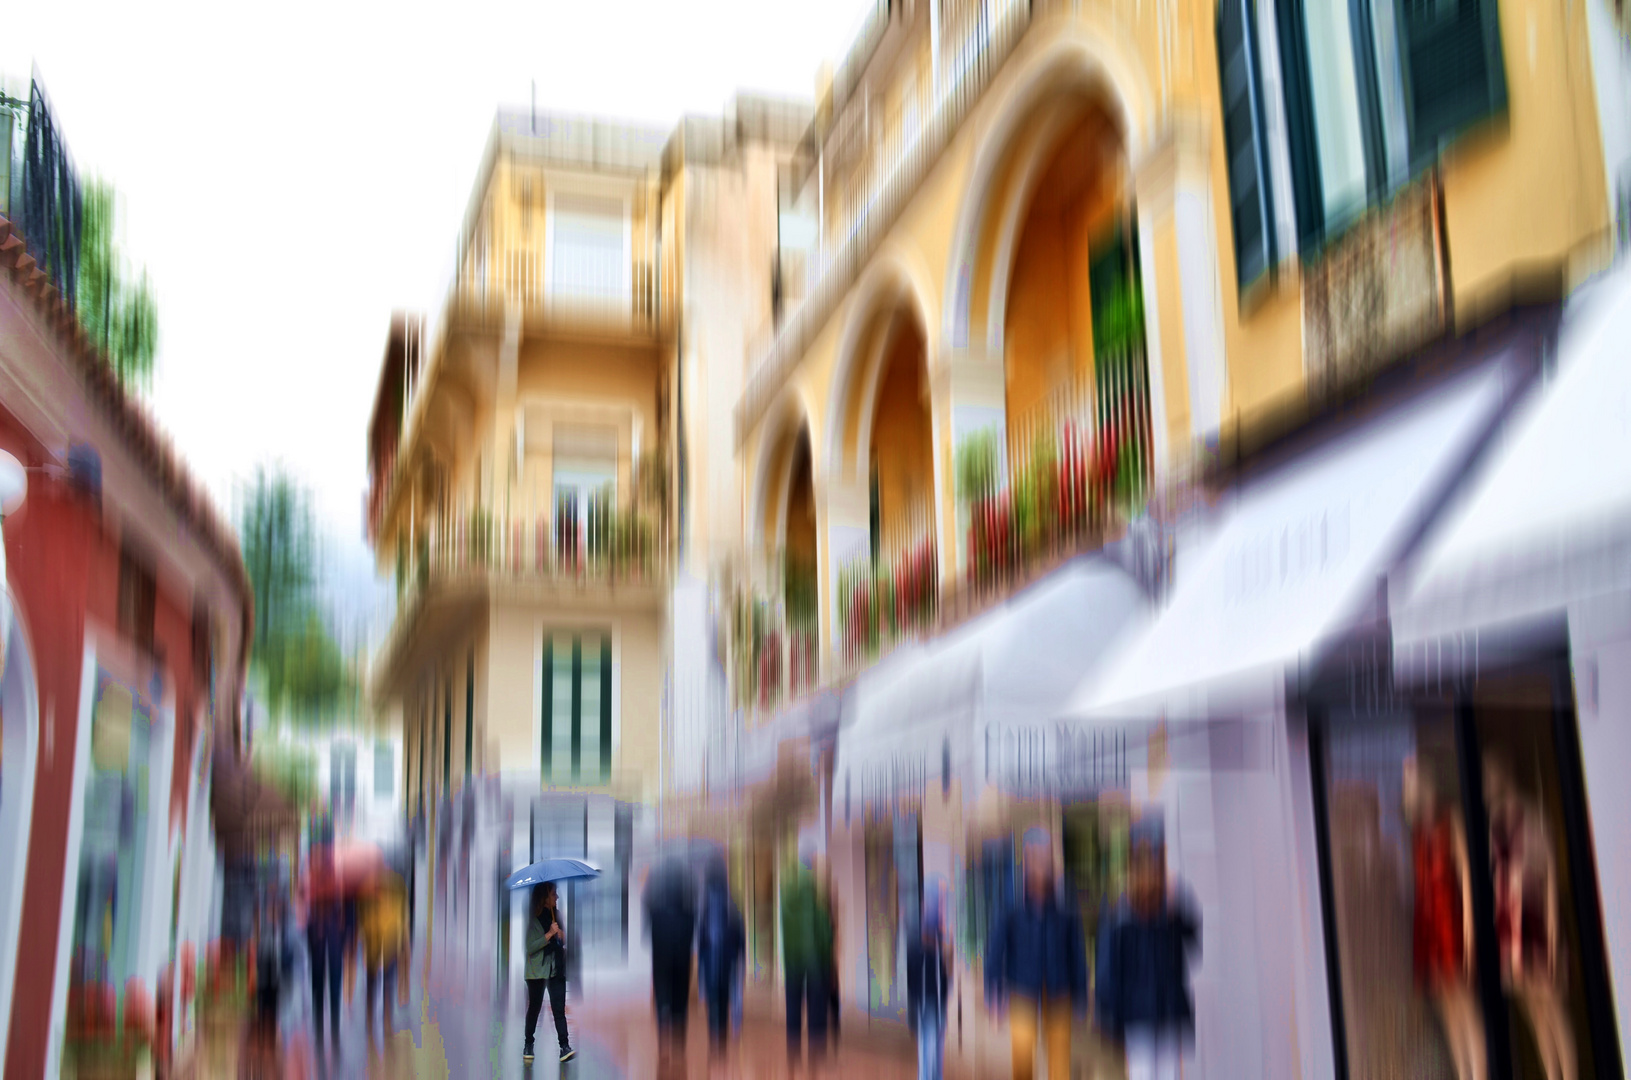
(292, 173)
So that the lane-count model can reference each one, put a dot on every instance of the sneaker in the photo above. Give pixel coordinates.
(526, 1053)
(567, 1054)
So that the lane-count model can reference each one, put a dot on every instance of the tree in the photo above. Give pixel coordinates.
(294, 654)
(116, 308)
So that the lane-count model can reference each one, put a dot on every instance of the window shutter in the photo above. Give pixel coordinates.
(1453, 71)
(1243, 141)
(1302, 138)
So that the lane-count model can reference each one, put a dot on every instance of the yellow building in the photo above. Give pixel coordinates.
(1048, 264)
(990, 191)
(546, 449)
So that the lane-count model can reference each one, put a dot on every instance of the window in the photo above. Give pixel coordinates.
(589, 250)
(384, 770)
(1373, 91)
(576, 735)
(137, 598)
(585, 479)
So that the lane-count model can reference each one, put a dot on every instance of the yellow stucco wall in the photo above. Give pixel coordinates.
(512, 674)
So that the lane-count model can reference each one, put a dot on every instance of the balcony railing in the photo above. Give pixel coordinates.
(606, 545)
(894, 592)
(773, 640)
(1080, 462)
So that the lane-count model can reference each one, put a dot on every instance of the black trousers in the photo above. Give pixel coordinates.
(671, 991)
(719, 1012)
(557, 1005)
(807, 993)
(327, 965)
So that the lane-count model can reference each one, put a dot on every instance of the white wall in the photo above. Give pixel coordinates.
(1600, 640)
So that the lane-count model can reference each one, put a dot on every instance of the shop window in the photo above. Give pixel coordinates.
(1436, 872)
(113, 869)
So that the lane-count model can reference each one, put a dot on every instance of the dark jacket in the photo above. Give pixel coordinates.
(1143, 969)
(927, 979)
(1037, 949)
(721, 941)
(545, 959)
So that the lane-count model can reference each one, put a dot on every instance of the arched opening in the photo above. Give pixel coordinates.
(891, 587)
(776, 632)
(1059, 281)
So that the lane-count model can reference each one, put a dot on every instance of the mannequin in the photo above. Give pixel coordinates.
(1443, 919)
(1524, 870)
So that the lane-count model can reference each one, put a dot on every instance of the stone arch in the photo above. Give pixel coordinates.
(1079, 65)
(789, 419)
(892, 288)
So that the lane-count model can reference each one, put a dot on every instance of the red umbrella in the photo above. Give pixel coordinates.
(345, 868)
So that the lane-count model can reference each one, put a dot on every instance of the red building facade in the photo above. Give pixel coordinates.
(131, 616)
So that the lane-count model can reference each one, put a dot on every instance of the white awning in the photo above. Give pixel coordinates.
(917, 714)
(1298, 558)
(1549, 520)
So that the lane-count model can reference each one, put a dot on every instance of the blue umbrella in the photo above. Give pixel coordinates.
(551, 870)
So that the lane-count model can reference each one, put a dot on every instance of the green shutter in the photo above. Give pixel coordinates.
(1244, 145)
(547, 742)
(1454, 75)
(577, 707)
(605, 709)
(1302, 137)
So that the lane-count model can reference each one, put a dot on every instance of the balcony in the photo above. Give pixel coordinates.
(893, 592)
(774, 642)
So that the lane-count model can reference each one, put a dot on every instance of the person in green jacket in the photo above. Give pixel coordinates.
(546, 968)
(807, 959)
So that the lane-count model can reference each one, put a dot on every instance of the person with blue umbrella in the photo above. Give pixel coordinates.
(546, 945)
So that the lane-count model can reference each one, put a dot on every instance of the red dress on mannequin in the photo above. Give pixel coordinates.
(1440, 943)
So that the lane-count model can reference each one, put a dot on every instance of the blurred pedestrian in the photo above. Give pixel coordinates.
(1146, 943)
(928, 984)
(671, 920)
(331, 932)
(1036, 966)
(385, 949)
(807, 959)
(273, 961)
(721, 950)
(546, 968)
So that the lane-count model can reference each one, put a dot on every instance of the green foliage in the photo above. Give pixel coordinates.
(115, 306)
(295, 658)
(291, 770)
(977, 466)
(799, 589)
(1118, 330)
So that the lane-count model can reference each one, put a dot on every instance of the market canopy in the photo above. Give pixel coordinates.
(1548, 521)
(1296, 561)
(919, 716)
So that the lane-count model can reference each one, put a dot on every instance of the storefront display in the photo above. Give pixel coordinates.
(1449, 863)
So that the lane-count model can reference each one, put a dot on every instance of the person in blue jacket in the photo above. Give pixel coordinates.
(1036, 966)
(1147, 942)
(928, 983)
